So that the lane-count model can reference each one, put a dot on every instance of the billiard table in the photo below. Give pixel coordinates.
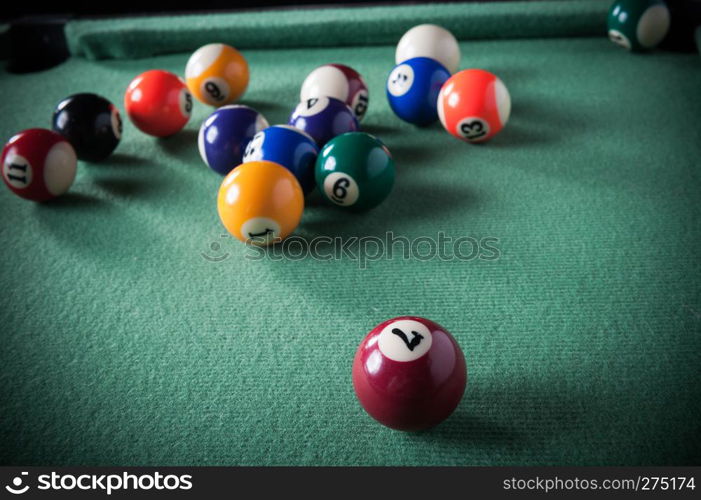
(136, 331)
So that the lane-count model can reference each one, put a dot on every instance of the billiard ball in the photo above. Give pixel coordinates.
(474, 105)
(323, 118)
(355, 171)
(224, 135)
(409, 373)
(158, 103)
(413, 87)
(217, 74)
(638, 24)
(260, 202)
(287, 146)
(429, 40)
(91, 124)
(38, 164)
(339, 81)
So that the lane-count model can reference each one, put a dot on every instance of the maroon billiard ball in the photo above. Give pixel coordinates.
(409, 373)
(339, 81)
(38, 164)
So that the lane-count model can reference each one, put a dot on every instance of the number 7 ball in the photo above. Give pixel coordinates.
(409, 373)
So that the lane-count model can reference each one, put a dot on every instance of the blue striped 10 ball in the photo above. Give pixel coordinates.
(287, 146)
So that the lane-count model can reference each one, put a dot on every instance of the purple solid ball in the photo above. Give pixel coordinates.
(324, 118)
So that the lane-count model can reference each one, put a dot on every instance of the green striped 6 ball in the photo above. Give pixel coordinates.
(638, 24)
(355, 171)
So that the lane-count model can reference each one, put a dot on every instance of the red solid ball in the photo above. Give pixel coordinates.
(158, 103)
(38, 164)
(409, 373)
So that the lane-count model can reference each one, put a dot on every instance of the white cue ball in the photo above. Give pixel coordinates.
(429, 40)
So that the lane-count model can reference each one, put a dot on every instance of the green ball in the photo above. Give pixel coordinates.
(355, 171)
(638, 24)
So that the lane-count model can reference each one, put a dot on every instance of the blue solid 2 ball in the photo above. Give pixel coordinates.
(225, 134)
(287, 146)
(324, 118)
(413, 87)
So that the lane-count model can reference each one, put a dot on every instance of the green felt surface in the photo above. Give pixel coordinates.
(149, 36)
(122, 345)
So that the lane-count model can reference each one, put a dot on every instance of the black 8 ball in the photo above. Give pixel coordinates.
(91, 124)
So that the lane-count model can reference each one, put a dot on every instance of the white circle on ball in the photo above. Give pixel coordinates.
(17, 171)
(472, 128)
(214, 90)
(325, 81)
(261, 122)
(201, 141)
(260, 230)
(254, 149)
(59, 168)
(503, 100)
(341, 189)
(441, 110)
(312, 106)
(185, 103)
(653, 26)
(429, 40)
(405, 340)
(400, 80)
(116, 121)
(202, 59)
(619, 39)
